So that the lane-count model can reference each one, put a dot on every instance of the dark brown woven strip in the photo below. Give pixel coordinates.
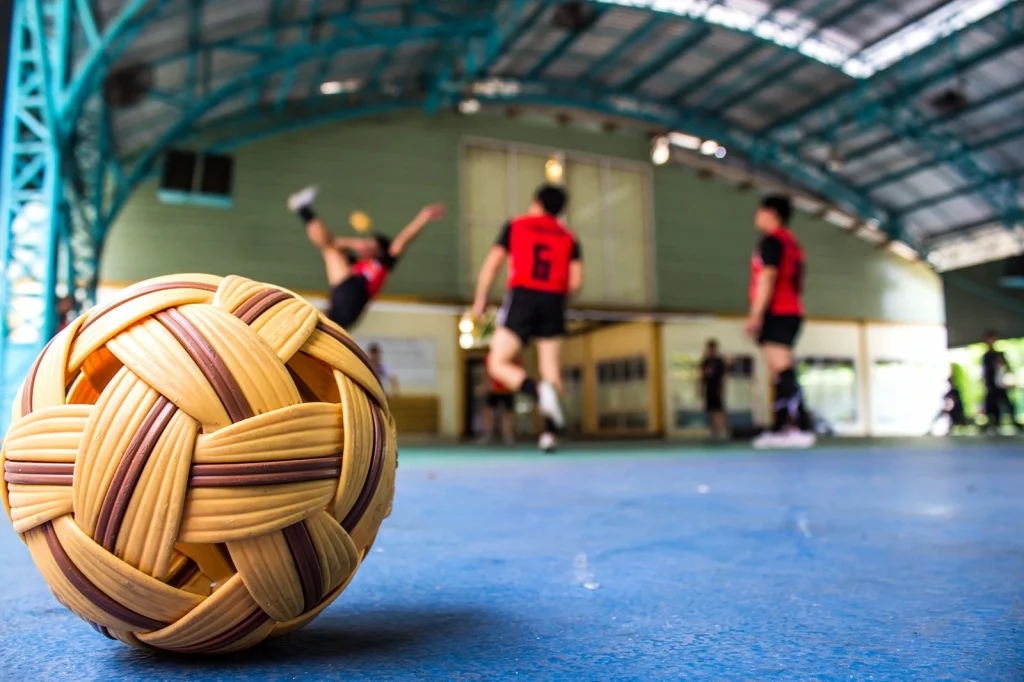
(373, 476)
(258, 468)
(40, 479)
(30, 380)
(304, 554)
(61, 468)
(183, 575)
(305, 392)
(344, 340)
(78, 580)
(39, 473)
(102, 629)
(210, 363)
(256, 480)
(129, 469)
(140, 292)
(250, 311)
(232, 635)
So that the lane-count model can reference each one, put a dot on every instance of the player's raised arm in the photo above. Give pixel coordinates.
(426, 215)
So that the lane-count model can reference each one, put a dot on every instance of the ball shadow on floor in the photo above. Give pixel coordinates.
(351, 638)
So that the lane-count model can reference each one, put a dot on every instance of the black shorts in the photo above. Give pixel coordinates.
(713, 401)
(780, 329)
(348, 301)
(504, 401)
(533, 314)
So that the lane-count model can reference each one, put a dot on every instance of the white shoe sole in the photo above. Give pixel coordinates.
(301, 199)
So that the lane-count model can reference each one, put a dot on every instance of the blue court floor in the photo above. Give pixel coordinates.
(850, 562)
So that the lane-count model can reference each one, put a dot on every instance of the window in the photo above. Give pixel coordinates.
(830, 388)
(608, 211)
(622, 395)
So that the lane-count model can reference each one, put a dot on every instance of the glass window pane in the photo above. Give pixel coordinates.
(585, 218)
(485, 179)
(528, 176)
(625, 203)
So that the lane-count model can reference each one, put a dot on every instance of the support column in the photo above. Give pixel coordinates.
(32, 210)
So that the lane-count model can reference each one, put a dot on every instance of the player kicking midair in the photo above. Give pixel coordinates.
(357, 267)
(545, 267)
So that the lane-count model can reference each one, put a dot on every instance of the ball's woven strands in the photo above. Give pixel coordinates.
(199, 464)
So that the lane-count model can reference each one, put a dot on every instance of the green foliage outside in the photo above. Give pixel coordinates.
(966, 369)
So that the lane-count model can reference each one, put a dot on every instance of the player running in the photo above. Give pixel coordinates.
(545, 268)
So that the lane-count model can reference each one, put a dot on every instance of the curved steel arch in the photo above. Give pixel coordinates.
(761, 152)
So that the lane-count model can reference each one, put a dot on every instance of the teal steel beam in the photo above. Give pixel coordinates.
(379, 37)
(986, 178)
(320, 73)
(710, 75)
(843, 15)
(692, 37)
(288, 80)
(959, 192)
(947, 157)
(867, 101)
(505, 32)
(30, 197)
(761, 71)
(117, 35)
(630, 41)
(552, 55)
(195, 29)
(250, 130)
(978, 105)
(698, 11)
(270, 42)
(737, 58)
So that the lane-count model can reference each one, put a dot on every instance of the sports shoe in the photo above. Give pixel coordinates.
(547, 400)
(302, 199)
(547, 443)
(785, 440)
(765, 441)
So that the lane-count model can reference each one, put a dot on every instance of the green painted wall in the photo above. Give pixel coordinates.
(389, 167)
(706, 238)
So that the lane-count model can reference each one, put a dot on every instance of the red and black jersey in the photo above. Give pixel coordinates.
(540, 251)
(374, 272)
(782, 251)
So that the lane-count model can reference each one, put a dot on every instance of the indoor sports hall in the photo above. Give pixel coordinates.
(865, 154)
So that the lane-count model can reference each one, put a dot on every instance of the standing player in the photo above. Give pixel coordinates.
(712, 388)
(994, 371)
(545, 268)
(357, 268)
(776, 316)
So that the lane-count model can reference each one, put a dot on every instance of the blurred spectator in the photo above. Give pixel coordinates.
(998, 378)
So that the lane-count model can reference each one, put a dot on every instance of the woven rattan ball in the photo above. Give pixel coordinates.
(199, 464)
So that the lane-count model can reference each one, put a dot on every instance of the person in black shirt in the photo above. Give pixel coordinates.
(712, 388)
(953, 407)
(994, 372)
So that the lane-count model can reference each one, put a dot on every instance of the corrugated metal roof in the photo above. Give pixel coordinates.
(757, 80)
